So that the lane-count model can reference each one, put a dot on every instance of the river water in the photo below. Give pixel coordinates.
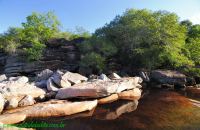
(119, 115)
(111, 116)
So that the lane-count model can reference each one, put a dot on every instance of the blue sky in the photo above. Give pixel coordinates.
(90, 14)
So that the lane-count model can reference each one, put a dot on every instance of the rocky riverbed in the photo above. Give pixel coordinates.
(62, 93)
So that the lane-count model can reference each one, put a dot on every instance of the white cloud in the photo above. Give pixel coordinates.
(195, 19)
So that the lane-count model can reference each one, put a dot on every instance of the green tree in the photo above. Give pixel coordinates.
(40, 27)
(193, 43)
(10, 40)
(145, 39)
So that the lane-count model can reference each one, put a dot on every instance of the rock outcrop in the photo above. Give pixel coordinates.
(51, 108)
(32, 101)
(98, 88)
(168, 77)
(16, 89)
(59, 54)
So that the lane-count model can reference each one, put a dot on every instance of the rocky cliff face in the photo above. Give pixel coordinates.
(59, 54)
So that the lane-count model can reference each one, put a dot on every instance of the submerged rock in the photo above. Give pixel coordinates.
(97, 88)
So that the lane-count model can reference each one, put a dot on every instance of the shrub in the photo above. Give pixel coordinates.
(35, 52)
(93, 61)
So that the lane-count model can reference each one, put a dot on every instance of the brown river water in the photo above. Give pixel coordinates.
(119, 115)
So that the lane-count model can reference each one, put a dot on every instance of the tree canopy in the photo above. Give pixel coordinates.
(145, 39)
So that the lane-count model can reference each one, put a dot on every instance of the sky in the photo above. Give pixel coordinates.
(90, 14)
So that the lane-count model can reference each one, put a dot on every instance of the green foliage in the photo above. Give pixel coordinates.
(93, 61)
(187, 24)
(33, 35)
(79, 32)
(100, 48)
(35, 52)
(142, 38)
(10, 40)
(193, 43)
(98, 45)
(192, 71)
(65, 35)
(40, 27)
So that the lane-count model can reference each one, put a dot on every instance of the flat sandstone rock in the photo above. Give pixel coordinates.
(98, 88)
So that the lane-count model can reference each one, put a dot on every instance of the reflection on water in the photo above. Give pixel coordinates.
(113, 111)
(96, 119)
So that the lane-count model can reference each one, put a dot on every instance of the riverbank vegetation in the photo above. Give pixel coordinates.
(136, 39)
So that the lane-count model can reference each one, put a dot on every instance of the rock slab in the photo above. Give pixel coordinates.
(98, 88)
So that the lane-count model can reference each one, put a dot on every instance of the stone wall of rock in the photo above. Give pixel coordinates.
(59, 54)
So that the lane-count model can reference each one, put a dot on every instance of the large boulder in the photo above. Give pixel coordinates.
(50, 108)
(98, 88)
(60, 80)
(41, 84)
(74, 78)
(44, 75)
(12, 103)
(27, 101)
(18, 89)
(51, 86)
(168, 77)
(2, 103)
